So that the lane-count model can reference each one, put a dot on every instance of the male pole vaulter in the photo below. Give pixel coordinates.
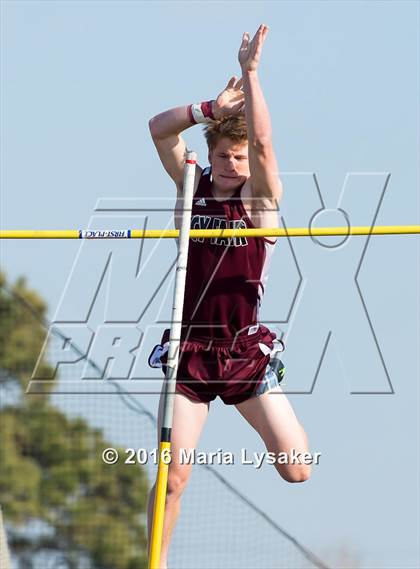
(225, 351)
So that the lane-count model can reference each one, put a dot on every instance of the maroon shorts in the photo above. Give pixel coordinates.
(231, 369)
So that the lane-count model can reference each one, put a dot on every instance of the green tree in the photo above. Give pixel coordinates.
(51, 470)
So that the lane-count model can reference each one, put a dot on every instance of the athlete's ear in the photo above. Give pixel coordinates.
(209, 156)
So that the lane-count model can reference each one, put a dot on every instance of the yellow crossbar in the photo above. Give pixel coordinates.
(208, 233)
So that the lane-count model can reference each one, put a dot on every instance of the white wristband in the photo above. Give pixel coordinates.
(198, 115)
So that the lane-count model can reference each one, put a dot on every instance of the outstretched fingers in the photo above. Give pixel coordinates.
(240, 108)
(258, 40)
(262, 31)
(250, 50)
(244, 47)
(231, 82)
(239, 83)
(234, 83)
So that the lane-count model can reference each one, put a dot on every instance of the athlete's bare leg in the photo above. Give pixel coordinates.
(273, 418)
(188, 421)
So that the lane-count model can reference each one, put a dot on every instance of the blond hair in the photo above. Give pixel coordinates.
(233, 127)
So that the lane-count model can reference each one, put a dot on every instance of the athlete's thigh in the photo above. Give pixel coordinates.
(273, 418)
(189, 418)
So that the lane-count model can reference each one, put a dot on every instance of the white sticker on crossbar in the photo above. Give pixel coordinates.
(105, 234)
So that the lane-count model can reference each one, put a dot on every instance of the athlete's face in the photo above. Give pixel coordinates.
(229, 164)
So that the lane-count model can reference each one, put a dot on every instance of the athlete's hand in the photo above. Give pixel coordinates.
(250, 51)
(230, 101)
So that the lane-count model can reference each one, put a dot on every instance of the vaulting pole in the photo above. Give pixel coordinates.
(172, 365)
(207, 233)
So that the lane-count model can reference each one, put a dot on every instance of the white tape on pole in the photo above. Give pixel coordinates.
(178, 303)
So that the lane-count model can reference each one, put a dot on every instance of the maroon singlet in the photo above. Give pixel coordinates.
(223, 350)
(225, 276)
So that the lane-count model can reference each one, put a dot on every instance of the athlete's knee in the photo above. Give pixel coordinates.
(296, 473)
(177, 481)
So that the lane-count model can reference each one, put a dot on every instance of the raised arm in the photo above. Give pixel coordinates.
(265, 181)
(166, 128)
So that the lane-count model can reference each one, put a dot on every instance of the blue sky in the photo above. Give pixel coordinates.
(80, 81)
